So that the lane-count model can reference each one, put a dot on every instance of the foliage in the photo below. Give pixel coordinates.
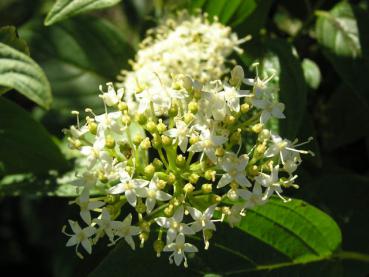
(61, 54)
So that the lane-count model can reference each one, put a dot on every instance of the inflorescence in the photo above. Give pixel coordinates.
(179, 147)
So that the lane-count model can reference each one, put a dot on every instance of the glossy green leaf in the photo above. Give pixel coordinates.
(81, 54)
(296, 229)
(293, 89)
(311, 73)
(20, 72)
(337, 30)
(25, 146)
(63, 9)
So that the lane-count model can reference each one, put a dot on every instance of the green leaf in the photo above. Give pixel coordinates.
(296, 229)
(311, 73)
(337, 30)
(20, 72)
(25, 146)
(293, 88)
(81, 54)
(9, 36)
(64, 9)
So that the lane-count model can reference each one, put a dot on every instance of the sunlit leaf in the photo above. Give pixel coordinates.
(64, 9)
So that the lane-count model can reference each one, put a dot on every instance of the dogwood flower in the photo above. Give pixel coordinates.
(124, 229)
(179, 249)
(129, 186)
(80, 236)
(235, 168)
(181, 133)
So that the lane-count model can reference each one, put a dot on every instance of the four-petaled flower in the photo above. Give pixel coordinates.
(179, 248)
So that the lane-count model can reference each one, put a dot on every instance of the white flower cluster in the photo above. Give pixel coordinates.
(196, 151)
(181, 44)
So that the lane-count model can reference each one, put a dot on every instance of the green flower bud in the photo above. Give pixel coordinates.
(230, 120)
(245, 108)
(188, 188)
(207, 188)
(156, 141)
(180, 160)
(210, 175)
(188, 117)
(149, 171)
(193, 178)
(122, 106)
(171, 178)
(141, 118)
(161, 184)
(145, 144)
(109, 141)
(137, 139)
(151, 127)
(158, 247)
(194, 139)
(236, 137)
(161, 127)
(219, 152)
(167, 141)
(257, 128)
(126, 119)
(193, 107)
(158, 164)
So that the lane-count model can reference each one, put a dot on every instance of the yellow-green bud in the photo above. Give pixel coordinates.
(193, 107)
(219, 152)
(92, 127)
(171, 178)
(207, 188)
(173, 110)
(188, 117)
(137, 139)
(122, 106)
(264, 135)
(230, 120)
(158, 164)
(141, 118)
(140, 207)
(236, 137)
(180, 160)
(168, 211)
(129, 169)
(210, 175)
(257, 128)
(145, 144)
(161, 184)
(253, 170)
(151, 127)
(109, 141)
(143, 237)
(111, 199)
(158, 247)
(188, 188)
(260, 149)
(216, 199)
(193, 178)
(245, 108)
(156, 141)
(161, 127)
(194, 139)
(126, 119)
(166, 140)
(196, 87)
(149, 170)
(102, 178)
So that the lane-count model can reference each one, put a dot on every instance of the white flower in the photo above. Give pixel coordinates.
(179, 248)
(174, 225)
(152, 193)
(181, 133)
(232, 97)
(80, 236)
(105, 223)
(86, 205)
(124, 229)
(129, 187)
(111, 97)
(254, 198)
(87, 180)
(235, 168)
(202, 220)
(96, 152)
(235, 215)
(208, 144)
(271, 182)
(109, 122)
